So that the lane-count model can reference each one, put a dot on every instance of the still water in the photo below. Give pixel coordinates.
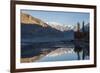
(63, 54)
(59, 52)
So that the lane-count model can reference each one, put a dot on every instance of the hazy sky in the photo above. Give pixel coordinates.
(69, 18)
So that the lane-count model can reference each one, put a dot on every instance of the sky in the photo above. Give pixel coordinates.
(66, 18)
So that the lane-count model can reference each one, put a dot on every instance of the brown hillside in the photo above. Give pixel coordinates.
(28, 19)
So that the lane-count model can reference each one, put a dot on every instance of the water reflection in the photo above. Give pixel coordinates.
(61, 51)
(84, 48)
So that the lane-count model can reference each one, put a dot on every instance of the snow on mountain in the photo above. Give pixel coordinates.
(59, 26)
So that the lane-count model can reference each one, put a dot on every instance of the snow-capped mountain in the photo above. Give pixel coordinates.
(61, 27)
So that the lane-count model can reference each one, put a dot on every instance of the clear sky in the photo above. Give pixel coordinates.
(70, 18)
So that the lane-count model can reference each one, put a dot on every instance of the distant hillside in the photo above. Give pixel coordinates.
(28, 19)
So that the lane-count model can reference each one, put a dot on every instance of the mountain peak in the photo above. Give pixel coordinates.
(61, 27)
(28, 19)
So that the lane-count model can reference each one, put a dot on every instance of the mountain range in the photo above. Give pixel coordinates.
(35, 30)
(28, 19)
(61, 27)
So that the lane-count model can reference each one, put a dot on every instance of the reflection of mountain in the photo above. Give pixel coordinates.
(35, 30)
(60, 51)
